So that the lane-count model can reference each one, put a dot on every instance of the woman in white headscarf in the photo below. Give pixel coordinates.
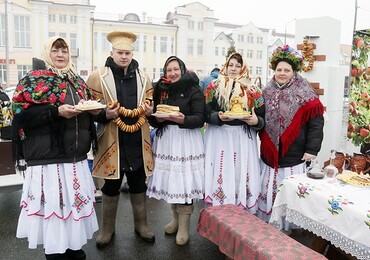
(53, 137)
(232, 163)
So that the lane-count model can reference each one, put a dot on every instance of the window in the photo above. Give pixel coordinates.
(22, 31)
(200, 26)
(259, 39)
(73, 19)
(137, 44)
(216, 51)
(200, 47)
(258, 70)
(62, 18)
(223, 51)
(190, 46)
(153, 74)
(63, 35)
(191, 24)
(144, 43)
(95, 41)
(172, 44)
(104, 42)
(2, 73)
(163, 44)
(73, 41)
(52, 18)
(154, 43)
(2, 30)
(51, 34)
(250, 68)
(22, 70)
(240, 51)
(250, 54)
(259, 55)
(250, 38)
(240, 38)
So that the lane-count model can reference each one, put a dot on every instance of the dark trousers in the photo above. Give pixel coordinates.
(135, 179)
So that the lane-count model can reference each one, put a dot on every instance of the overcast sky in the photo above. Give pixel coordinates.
(263, 13)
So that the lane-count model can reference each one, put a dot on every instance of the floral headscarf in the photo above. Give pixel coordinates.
(225, 88)
(48, 86)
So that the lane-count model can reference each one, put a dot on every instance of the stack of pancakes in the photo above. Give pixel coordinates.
(167, 109)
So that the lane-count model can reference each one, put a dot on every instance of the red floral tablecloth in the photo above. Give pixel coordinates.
(241, 235)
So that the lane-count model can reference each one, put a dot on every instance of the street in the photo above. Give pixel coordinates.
(126, 244)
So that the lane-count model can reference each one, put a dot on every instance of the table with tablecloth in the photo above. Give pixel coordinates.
(241, 235)
(336, 211)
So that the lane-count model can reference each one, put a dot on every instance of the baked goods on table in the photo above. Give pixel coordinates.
(354, 178)
(236, 107)
(167, 109)
(89, 105)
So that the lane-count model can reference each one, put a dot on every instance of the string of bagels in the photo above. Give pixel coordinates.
(136, 112)
(307, 55)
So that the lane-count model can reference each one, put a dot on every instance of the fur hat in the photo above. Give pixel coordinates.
(122, 40)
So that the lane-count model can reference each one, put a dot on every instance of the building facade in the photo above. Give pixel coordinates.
(189, 31)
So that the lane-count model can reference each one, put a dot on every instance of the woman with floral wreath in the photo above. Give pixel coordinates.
(232, 171)
(293, 125)
(178, 146)
(54, 137)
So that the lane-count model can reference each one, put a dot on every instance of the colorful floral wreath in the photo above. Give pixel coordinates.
(288, 54)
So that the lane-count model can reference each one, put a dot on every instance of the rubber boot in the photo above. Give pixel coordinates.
(139, 212)
(171, 228)
(184, 211)
(108, 225)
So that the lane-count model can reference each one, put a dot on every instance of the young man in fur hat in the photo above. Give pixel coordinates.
(124, 144)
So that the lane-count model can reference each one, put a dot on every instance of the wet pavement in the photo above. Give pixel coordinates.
(126, 244)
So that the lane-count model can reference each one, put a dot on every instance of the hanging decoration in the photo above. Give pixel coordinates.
(307, 55)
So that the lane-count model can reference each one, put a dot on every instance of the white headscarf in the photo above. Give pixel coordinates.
(69, 70)
(228, 87)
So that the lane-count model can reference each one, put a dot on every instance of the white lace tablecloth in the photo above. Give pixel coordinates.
(331, 209)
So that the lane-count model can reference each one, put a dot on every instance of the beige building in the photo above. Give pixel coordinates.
(189, 31)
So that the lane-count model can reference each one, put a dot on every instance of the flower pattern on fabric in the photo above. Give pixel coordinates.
(336, 203)
(45, 87)
(302, 190)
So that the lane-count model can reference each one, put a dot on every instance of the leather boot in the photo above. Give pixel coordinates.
(139, 212)
(171, 228)
(108, 224)
(184, 211)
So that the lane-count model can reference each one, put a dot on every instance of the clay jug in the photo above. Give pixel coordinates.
(359, 162)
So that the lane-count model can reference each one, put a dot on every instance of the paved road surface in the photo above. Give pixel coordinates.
(126, 245)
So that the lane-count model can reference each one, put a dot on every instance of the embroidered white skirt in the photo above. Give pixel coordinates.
(58, 207)
(232, 170)
(178, 175)
(270, 181)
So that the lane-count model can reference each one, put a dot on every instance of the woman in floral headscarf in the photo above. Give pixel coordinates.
(232, 172)
(53, 137)
(178, 146)
(293, 125)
